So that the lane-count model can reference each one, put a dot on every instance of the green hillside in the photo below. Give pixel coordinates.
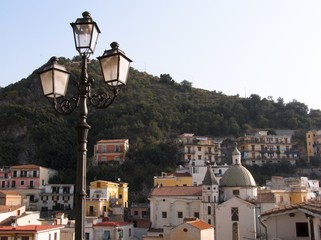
(150, 111)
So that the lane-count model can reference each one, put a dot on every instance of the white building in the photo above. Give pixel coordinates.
(229, 205)
(56, 197)
(296, 222)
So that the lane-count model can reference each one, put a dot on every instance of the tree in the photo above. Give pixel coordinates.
(166, 78)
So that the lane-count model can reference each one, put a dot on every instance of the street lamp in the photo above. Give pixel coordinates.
(54, 80)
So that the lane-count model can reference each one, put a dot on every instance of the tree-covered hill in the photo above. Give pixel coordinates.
(150, 111)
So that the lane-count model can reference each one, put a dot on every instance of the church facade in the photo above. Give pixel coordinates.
(229, 205)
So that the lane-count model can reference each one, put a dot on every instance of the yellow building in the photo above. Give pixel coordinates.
(107, 198)
(292, 190)
(173, 179)
(313, 139)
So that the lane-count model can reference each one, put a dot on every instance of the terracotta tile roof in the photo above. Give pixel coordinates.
(111, 224)
(280, 210)
(177, 191)
(9, 192)
(200, 224)
(29, 228)
(27, 166)
(310, 206)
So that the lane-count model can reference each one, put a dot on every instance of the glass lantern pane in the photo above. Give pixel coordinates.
(84, 35)
(123, 69)
(61, 83)
(109, 67)
(95, 33)
(46, 83)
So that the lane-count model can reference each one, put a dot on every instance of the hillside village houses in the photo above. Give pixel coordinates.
(202, 199)
(260, 147)
(111, 151)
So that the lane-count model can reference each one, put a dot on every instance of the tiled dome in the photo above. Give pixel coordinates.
(237, 176)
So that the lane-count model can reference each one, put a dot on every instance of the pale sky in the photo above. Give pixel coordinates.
(264, 47)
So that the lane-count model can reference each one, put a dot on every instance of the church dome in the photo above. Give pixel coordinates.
(237, 176)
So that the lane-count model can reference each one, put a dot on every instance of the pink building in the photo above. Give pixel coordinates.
(27, 180)
(113, 150)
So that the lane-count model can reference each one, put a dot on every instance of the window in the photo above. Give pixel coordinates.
(106, 235)
(164, 214)
(234, 214)
(66, 189)
(236, 192)
(199, 157)
(135, 213)
(87, 236)
(209, 210)
(196, 214)
(179, 214)
(117, 148)
(22, 183)
(144, 213)
(104, 148)
(302, 229)
(3, 238)
(55, 236)
(25, 238)
(129, 232)
(199, 148)
(34, 173)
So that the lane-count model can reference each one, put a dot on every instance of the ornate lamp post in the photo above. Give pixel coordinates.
(54, 80)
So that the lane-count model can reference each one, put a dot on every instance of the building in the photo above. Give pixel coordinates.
(262, 147)
(56, 197)
(174, 179)
(313, 140)
(26, 180)
(107, 199)
(170, 205)
(230, 205)
(139, 215)
(113, 230)
(111, 151)
(295, 222)
(29, 232)
(10, 198)
(292, 190)
(199, 148)
(190, 229)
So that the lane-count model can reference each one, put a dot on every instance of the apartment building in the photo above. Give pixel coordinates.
(199, 148)
(27, 181)
(313, 139)
(107, 199)
(111, 151)
(261, 147)
(54, 197)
